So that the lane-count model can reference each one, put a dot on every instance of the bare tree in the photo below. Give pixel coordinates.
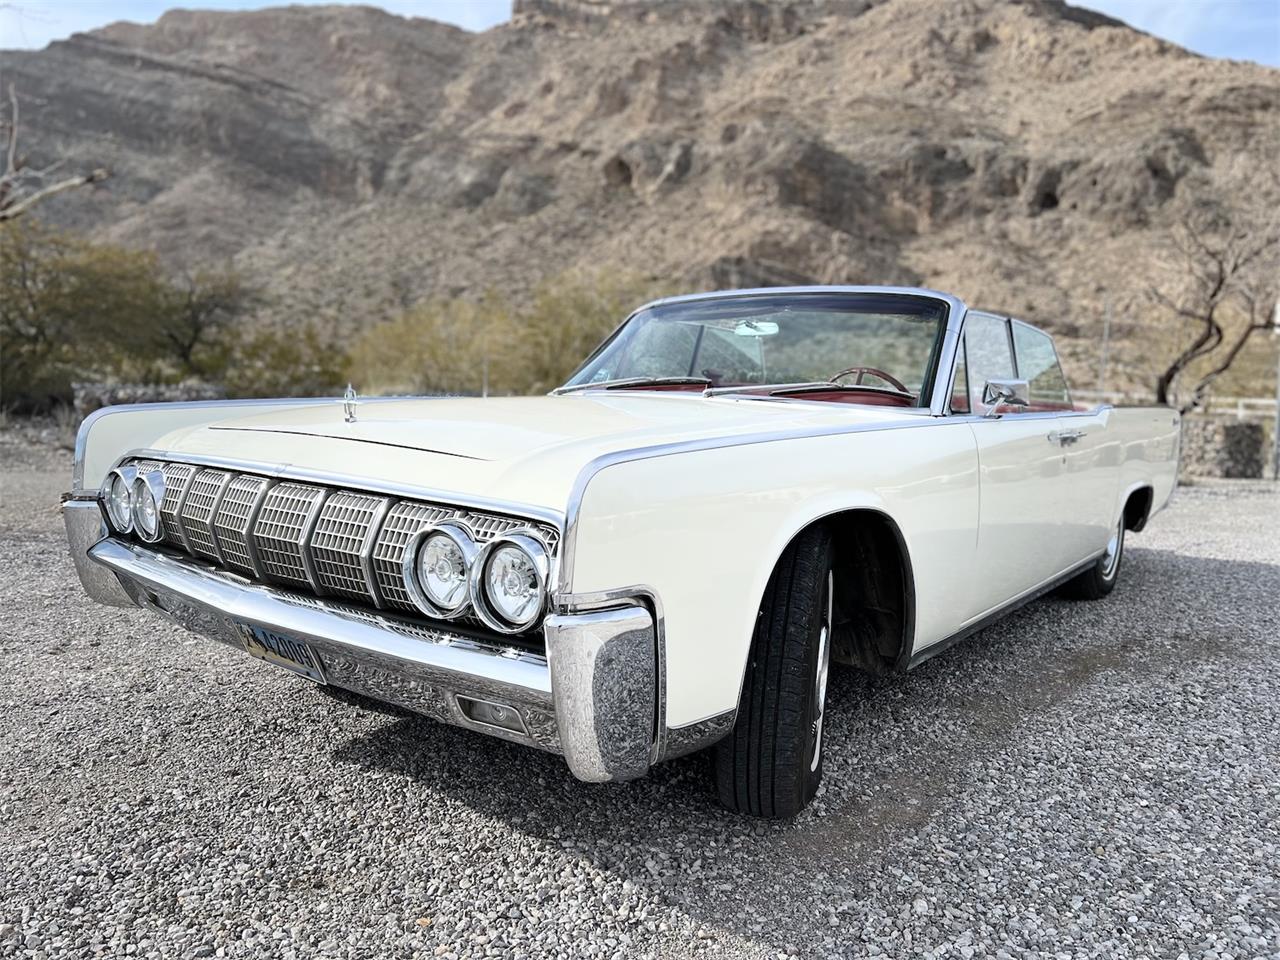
(1229, 275)
(198, 309)
(22, 186)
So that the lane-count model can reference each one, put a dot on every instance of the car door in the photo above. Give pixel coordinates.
(1022, 478)
(1089, 459)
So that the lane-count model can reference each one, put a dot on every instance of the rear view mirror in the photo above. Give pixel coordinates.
(755, 328)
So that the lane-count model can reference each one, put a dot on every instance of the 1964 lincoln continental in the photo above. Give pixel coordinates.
(667, 553)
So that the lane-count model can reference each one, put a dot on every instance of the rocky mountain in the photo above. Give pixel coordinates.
(1029, 156)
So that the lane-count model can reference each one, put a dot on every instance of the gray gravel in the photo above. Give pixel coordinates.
(1081, 780)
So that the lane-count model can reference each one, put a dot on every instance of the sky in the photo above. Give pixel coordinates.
(1237, 29)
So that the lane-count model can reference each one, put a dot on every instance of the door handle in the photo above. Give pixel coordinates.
(1067, 437)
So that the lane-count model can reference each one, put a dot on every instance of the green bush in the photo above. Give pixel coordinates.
(71, 310)
(502, 345)
(283, 363)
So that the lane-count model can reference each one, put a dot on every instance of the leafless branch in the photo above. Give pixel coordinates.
(11, 153)
(14, 210)
(1226, 268)
(22, 187)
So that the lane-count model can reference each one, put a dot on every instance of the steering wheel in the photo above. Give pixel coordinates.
(875, 372)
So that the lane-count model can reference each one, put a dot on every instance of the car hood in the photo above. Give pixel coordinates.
(516, 449)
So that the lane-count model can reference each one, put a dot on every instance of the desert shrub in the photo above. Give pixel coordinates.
(561, 323)
(75, 311)
(269, 362)
(436, 347)
(72, 310)
(505, 345)
(68, 308)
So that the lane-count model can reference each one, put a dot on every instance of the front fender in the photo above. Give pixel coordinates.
(703, 530)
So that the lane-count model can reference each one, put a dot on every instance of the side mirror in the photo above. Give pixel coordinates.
(1004, 393)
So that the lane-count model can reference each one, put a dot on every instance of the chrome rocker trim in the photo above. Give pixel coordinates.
(592, 697)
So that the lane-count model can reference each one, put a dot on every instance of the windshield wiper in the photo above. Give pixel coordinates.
(624, 382)
(824, 386)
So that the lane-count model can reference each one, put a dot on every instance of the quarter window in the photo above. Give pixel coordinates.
(1038, 365)
(986, 346)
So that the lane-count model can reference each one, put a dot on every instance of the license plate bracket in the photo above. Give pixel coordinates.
(282, 650)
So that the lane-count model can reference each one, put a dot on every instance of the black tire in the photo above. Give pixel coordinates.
(1100, 579)
(770, 765)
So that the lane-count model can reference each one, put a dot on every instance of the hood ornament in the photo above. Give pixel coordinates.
(350, 400)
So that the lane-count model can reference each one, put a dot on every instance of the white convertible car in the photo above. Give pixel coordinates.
(667, 553)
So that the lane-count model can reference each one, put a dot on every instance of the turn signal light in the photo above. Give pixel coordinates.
(494, 714)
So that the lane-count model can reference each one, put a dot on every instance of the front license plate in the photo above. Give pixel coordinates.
(282, 651)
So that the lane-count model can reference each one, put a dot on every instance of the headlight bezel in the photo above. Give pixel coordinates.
(153, 482)
(126, 474)
(530, 542)
(464, 538)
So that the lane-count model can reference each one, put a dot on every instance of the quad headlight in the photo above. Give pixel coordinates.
(148, 495)
(505, 582)
(437, 569)
(509, 582)
(117, 498)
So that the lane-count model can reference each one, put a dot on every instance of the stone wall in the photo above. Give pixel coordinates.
(1214, 446)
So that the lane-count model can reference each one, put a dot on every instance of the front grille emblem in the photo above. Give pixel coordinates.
(349, 401)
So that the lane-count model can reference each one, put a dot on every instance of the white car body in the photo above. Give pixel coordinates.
(682, 504)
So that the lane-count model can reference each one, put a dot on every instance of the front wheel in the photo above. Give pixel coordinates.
(1100, 579)
(771, 764)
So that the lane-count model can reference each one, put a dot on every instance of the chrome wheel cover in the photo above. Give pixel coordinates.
(821, 672)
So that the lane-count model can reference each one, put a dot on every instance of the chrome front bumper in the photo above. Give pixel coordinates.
(592, 697)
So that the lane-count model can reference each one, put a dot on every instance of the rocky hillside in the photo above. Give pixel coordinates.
(1026, 155)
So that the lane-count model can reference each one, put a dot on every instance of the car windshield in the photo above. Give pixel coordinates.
(782, 344)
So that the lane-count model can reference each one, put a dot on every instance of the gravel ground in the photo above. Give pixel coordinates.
(1081, 780)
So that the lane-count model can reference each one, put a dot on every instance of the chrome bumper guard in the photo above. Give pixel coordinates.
(591, 698)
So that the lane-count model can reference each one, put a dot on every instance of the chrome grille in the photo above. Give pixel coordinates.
(176, 478)
(341, 542)
(203, 495)
(239, 504)
(343, 533)
(281, 530)
(404, 520)
(490, 526)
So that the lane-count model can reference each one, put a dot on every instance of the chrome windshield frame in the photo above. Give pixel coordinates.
(943, 362)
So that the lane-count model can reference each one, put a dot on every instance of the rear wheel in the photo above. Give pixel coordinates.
(771, 764)
(1100, 579)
